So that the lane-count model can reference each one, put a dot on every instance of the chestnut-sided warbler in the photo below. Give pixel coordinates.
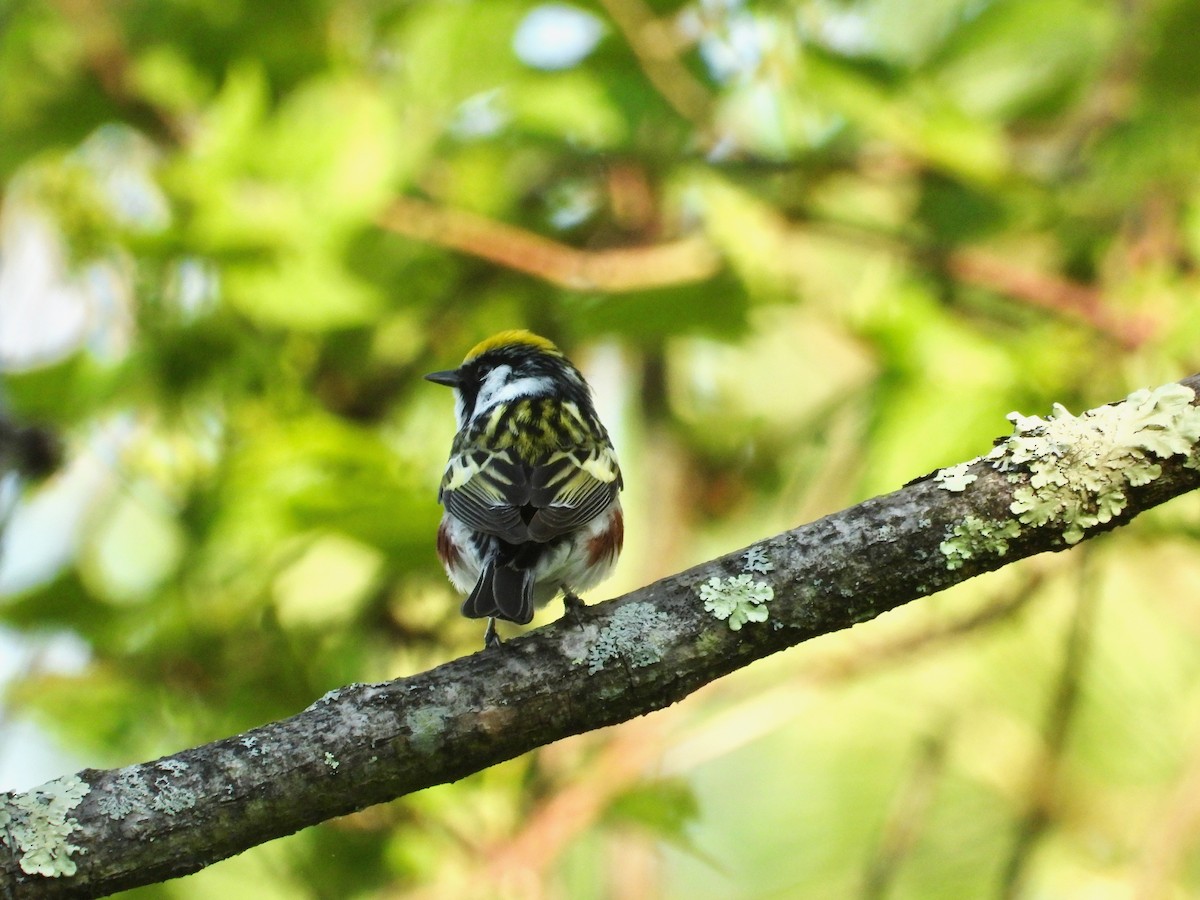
(530, 491)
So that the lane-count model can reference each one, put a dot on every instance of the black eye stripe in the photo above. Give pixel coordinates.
(468, 389)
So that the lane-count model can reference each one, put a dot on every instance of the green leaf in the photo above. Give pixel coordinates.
(571, 106)
(666, 807)
(720, 309)
(955, 212)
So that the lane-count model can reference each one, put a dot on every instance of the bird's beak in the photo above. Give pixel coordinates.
(450, 377)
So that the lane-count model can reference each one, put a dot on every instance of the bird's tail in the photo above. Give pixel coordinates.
(503, 592)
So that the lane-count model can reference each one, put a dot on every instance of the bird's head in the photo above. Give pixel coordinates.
(510, 366)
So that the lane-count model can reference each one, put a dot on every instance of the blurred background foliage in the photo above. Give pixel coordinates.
(805, 251)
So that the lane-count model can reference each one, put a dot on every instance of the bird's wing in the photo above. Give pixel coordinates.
(570, 489)
(490, 492)
(486, 490)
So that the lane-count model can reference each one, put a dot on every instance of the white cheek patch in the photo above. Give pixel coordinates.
(500, 387)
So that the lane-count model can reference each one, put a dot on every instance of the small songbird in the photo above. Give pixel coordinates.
(531, 489)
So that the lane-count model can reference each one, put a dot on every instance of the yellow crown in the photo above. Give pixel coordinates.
(513, 336)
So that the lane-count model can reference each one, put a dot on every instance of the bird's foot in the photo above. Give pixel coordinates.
(490, 637)
(573, 604)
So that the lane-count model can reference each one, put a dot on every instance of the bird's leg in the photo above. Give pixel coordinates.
(573, 604)
(490, 637)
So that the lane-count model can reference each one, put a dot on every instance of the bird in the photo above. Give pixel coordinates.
(531, 490)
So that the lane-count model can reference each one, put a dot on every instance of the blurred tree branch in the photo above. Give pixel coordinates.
(107, 60)
(695, 258)
(104, 831)
(908, 816)
(1044, 780)
(1050, 292)
(657, 46)
(680, 261)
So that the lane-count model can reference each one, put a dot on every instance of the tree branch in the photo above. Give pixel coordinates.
(695, 257)
(1054, 482)
(658, 45)
(681, 261)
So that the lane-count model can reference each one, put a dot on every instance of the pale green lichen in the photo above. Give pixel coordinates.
(36, 825)
(1080, 466)
(973, 537)
(756, 560)
(125, 794)
(171, 798)
(334, 695)
(130, 791)
(251, 744)
(955, 478)
(425, 725)
(331, 761)
(637, 634)
(739, 599)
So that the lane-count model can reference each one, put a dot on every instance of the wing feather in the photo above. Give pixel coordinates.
(487, 491)
(570, 489)
(490, 492)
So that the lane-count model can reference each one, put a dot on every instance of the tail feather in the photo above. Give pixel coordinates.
(503, 592)
(513, 590)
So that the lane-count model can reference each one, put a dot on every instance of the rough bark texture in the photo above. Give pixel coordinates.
(369, 743)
